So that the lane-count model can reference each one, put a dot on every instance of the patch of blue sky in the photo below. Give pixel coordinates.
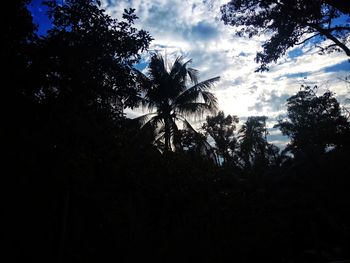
(295, 52)
(342, 66)
(342, 20)
(40, 16)
(278, 140)
(141, 66)
(298, 75)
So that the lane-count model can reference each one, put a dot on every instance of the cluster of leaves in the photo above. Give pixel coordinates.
(167, 90)
(314, 123)
(289, 23)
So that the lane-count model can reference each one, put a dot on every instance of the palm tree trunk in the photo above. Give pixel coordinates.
(167, 135)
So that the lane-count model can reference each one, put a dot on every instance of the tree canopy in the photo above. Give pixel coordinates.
(90, 56)
(289, 23)
(221, 129)
(168, 91)
(314, 122)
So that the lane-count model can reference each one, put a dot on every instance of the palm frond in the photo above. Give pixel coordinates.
(206, 84)
(157, 68)
(210, 99)
(194, 109)
(187, 125)
(173, 127)
(196, 101)
(176, 66)
(193, 74)
(142, 120)
(178, 75)
(179, 67)
(206, 148)
(193, 92)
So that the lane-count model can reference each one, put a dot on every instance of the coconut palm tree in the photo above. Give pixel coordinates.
(175, 93)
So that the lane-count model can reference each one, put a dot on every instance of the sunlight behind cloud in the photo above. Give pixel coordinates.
(193, 28)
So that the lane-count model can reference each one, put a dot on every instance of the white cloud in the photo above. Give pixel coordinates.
(193, 28)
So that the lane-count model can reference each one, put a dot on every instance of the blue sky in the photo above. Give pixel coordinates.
(39, 13)
(193, 28)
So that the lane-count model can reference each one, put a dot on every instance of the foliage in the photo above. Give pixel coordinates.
(314, 122)
(89, 56)
(169, 92)
(255, 151)
(288, 23)
(221, 129)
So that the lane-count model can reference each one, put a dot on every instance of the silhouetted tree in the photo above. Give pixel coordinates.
(64, 120)
(290, 23)
(255, 151)
(221, 128)
(168, 91)
(18, 38)
(19, 46)
(89, 56)
(313, 122)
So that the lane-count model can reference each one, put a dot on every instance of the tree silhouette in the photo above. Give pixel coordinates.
(313, 122)
(18, 38)
(76, 65)
(65, 125)
(221, 128)
(169, 93)
(290, 23)
(255, 151)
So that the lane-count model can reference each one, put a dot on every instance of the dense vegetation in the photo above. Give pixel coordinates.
(290, 23)
(83, 183)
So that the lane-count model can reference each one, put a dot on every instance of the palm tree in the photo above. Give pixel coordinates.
(168, 91)
(253, 141)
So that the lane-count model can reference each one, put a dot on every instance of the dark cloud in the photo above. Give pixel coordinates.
(204, 31)
(270, 100)
(163, 18)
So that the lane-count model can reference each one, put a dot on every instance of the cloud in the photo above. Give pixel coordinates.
(204, 31)
(271, 101)
(193, 28)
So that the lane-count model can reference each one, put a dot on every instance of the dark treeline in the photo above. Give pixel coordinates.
(83, 183)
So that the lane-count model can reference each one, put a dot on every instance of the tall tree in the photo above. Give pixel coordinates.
(255, 151)
(88, 56)
(289, 23)
(314, 122)
(84, 78)
(221, 129)
(18, 38)
(168, 91)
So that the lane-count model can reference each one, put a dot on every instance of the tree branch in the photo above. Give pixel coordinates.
(305, 40)
(327, 33)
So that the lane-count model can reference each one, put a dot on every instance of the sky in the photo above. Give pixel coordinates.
(193, 28)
